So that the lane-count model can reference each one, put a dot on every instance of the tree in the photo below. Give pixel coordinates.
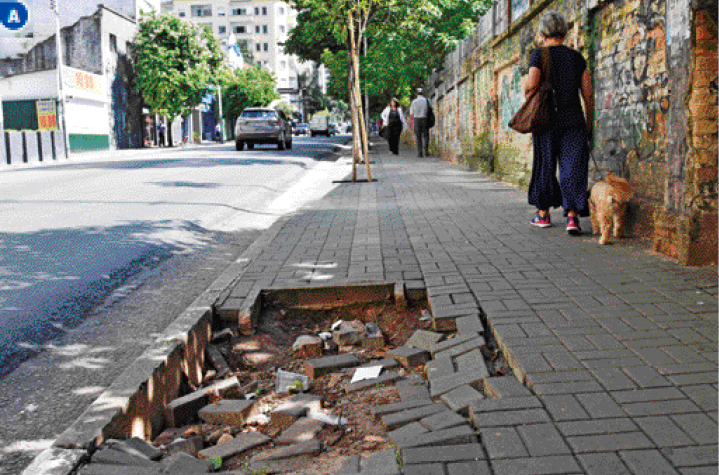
(339, 27)
(249, 87)
(176, 61)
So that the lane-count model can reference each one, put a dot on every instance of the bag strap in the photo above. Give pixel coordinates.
(546, 66)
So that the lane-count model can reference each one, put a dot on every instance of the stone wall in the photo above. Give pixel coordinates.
(654, 70)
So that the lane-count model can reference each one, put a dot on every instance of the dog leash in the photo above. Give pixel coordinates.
(596, 165)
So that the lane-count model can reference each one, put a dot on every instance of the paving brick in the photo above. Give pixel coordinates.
(646, 377)
(191, 445)
(509, 418)
(642, 395)
(443, 420)
(445, 454)
(407, 431)
(104, 469)
(663, 431)
(543, 439)
(409, 357)
(320, 366)
(600, 405)
(183, 410)
(695, 378)
(603, 464)
(449, 383)
(647, 462)
(439, 368)
(459, 399)
(412, 389)
(479, 467)
(386, 363)
(505, 387)
(601, 426)
(699, 427)
(479, 407)
(454, 435)
(567, 388)
(461, 348)
(182, 462)
(307, 447)
(451, 342)
(388, 377)
(691, 456)
(241, 443)
(110, 456)
(303, 430)
(469, 324)
(398, 419)
(672, 407)
(428, 469)
(551, 465)
(380, 463)
(705, 396)
(231, 412)
(503, 442)
(698, 471)
(400, 406)
(613, 379)
(424, 339)
(558, 377)
(609, 442)
(564, 407)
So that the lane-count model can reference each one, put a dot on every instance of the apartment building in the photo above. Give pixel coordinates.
(263, 25)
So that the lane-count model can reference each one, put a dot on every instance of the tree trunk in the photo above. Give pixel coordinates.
(360, 136)
(355, 131)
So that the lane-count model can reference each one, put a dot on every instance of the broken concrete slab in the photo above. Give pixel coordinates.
(110, 456)
(218, 361)
(311, 447)
(455, 435)
(409, 357)
(318, 367)
(241, 443)
(231, 412)
(398, 419)
(183, 410)
(55, 461)
(305, 429)
(135, 446)
(424, 339)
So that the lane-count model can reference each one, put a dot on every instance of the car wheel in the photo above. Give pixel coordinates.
(250, 146)
(281, 143)
(239, 145)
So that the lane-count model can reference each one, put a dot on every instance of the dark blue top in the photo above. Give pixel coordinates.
(566, 73)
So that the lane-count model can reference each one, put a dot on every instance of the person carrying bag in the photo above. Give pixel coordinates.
(393, 123)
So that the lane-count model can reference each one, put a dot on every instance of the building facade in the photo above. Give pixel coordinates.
(262, 26)
(654, 70)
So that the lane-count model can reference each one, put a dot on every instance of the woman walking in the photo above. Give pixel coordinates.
(393, 119)
(566, 140)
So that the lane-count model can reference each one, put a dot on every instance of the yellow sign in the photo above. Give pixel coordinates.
(46, 115)
(82, 84)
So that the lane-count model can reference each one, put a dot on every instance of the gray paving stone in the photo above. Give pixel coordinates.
(183, 410)
(543, 439)
(400, 406)
(241, 443)
(424, 339)
(551, 465)
(439, 368)
(459, 399)
(469, 324)
(672, 407)
(409, 357)
(318, 367)
(136, 446)
(305, 429)
(472, 361)
(613, 379)
(509, 418)
(479, 467)
(503, 442)
(705, 396)
(451, 342)
(411, 389)
(452, 436)
(641, 395)
(380, 463)
(449, 383)
(663, 431)
(505, 387)
(694, 378)
(110, 456)
(103, 469)
(387, 363)
(699, 427)
(646, 377)
(398, 419)
(559, 377)
(609, 442)
(444, 454)
(460, 349)
(443, 420)
(564, 407)
(600, 405)
(407, 431)
(231, 412)
(385, 378)
(691, 456)
(698, 471)
(600, 426)
(647, 462)
(603, 464)
(567, 388)
(427, 469)
(182, 462)
(308, 447)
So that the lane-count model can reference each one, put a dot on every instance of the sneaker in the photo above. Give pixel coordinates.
(542, 221)
(573, 226)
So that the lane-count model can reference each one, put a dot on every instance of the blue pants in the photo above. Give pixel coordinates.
(567, 147)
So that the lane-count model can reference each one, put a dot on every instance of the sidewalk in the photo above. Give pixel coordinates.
(618, 346)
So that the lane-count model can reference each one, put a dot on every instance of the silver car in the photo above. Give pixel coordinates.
(262, 125)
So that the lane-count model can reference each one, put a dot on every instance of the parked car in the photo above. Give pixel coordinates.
(334, 129)
(302, 129)
(320, 125)
(262, 125)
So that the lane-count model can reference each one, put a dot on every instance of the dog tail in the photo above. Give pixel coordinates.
(621, 185)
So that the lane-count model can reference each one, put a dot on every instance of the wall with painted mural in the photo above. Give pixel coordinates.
(654, 69)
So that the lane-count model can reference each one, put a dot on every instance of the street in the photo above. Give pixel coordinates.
(99, 255)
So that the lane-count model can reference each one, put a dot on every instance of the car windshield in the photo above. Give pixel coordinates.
(259, 115)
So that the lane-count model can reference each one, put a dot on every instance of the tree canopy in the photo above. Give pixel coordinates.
(176, 61)
(248, 87)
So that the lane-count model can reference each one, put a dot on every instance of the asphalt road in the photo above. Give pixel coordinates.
(99, 255)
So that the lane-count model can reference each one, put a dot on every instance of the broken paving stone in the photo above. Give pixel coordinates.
(459, 399)
(389, 377)
(239, 444)
(398, 419)
(183, 410)
(191, 445)
(439, 368)
(349, 333)
(505, 386)
(444, 385)
(409, 357)
(311, 447)
(297, 406)
(387, 363)
(303, 430)
(320, 366)
(424, 339)
(412, 389)
(104, 469)
(135, 446)
(408, 431)
(110, 456)
(446, 344)
(380, 463)
(307, 347)
(443, 420)
(218, 361)
(226, 412)
(399, 406)
(182, 462)
(453, 436)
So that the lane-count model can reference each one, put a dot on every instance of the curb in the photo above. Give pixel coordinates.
(134, 403)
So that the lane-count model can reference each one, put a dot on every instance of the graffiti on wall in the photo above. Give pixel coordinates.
(511, 97)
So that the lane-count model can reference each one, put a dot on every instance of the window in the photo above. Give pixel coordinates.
(113, 43)
(264, 29)
(264, 10)
(258, 47)
(220, 11)
(181, 14)
(282, 11)
(197, 11)
(266, 46)
(257, 10)
(240, 29)
(239, 11)
(222, 30)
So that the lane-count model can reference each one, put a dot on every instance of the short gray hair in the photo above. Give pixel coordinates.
(553, 25)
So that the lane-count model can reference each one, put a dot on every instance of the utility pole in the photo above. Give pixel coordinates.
(222, 120)
(55, 5)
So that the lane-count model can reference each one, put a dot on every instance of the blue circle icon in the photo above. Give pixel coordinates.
(14, 15)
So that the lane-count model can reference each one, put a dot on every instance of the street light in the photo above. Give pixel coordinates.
(55, 5)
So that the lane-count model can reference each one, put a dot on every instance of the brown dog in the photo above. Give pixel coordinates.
(608, 205)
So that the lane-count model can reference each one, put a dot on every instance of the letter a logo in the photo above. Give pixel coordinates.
(14, 17)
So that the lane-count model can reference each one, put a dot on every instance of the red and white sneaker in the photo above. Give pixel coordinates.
(542, 221)
(573, 226)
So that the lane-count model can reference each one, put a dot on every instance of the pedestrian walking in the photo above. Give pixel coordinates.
(161, 134)
(218, 133)
(419, 110)
(393, 119)
(565, 141)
